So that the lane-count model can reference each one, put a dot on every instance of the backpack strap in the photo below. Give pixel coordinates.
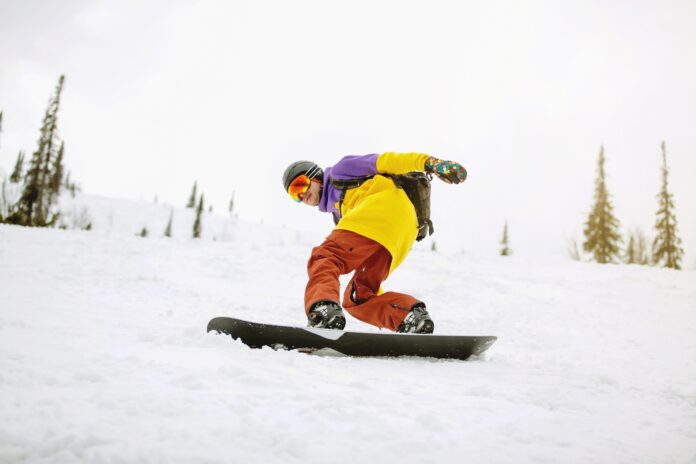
(343, 185)
(347, 184)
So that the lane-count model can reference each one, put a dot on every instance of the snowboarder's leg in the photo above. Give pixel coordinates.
(340, 253)
(364, 300)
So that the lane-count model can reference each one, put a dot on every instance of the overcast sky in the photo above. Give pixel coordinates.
(522, 93)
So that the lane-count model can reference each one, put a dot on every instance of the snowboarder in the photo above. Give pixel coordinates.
(376, 227)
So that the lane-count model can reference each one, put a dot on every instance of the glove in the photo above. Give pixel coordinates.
(447, 171)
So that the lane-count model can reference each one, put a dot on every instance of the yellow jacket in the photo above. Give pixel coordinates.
(377, 209)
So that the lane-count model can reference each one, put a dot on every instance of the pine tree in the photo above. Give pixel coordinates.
(18, 170)
(631, 256)
(231, 206)
(143, 233)
(602, 236)
(572, 249)
(642, 249)
(36, 202)
(168, 230)
(433, 247)
(69, 185)
(505, 243)
(56, 181)
(192, 199)
(667, 249)
(636, 250)
(197, 225)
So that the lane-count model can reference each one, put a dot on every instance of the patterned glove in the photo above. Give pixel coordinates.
(447, 171)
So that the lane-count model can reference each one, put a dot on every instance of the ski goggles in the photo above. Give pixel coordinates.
(299, 186)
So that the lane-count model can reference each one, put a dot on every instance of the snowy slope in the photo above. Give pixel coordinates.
(104, 356)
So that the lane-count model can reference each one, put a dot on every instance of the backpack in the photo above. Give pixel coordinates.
(415, 184)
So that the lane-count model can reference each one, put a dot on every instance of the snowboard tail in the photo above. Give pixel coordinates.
(309, 339)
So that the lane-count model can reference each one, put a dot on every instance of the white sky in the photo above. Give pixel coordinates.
(161, 93)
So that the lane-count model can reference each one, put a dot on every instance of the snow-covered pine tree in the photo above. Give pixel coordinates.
(35, 205)
(666, 249)
(168, 230)
(18, 170)
(197, 224)
(192, 199)
(505, 242)
(602, 236)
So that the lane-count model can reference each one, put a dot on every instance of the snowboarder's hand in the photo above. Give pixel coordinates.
(447, 171)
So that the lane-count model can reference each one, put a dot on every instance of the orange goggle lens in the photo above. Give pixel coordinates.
(299, 186)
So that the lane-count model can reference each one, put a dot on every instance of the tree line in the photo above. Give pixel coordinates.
(602, 236)
(197, 203)
(41, 180)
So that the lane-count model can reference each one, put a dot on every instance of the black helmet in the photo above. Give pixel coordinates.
(308, 168)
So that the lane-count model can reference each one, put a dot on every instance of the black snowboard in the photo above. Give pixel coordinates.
(351, 343)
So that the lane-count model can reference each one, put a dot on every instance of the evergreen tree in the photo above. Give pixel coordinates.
(197, 225)
(18, 170)
(602, 236)
(642, 249)
(168, 230)
(636, 250)
(573, 251)
(56, 174)
(36, 202)
(143, 233)
(192, 199)
(631, 257)
(667, 249)
(433, 247)
(505, 243)
(231, 206)
(69, 185)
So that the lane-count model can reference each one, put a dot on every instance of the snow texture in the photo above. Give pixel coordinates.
(104, 356)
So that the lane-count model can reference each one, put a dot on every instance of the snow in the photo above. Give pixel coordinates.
(104, 356)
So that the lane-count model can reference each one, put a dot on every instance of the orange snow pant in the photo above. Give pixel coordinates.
(343, 252)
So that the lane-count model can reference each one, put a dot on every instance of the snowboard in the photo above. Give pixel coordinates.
(331, 341)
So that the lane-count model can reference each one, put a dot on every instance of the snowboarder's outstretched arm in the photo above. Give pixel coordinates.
(398, 163)
(401, 163)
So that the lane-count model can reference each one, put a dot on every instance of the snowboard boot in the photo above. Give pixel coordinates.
(417, 321)
(326, 315)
